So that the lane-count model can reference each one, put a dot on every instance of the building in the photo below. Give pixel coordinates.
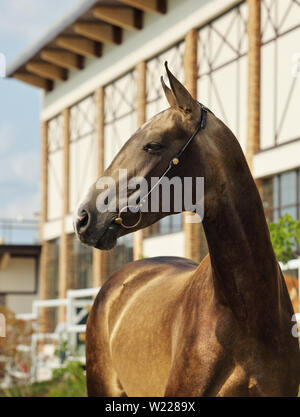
(19, 264)
(99, 70)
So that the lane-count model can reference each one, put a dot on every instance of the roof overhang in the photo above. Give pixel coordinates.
(79, 35)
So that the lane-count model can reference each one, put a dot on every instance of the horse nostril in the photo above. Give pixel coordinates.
(82, 221)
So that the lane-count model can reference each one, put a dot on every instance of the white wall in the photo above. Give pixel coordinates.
(83, 149)
(20, 303)
(165, 245)
(276, 160)
(19, 275)
(52, 229)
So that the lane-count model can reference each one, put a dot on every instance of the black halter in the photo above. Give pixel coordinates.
(174, 161)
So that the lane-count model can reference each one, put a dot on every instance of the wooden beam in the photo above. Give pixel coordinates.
(65, 263)
(50, 71)
(99, 256)
(64, 59)
(34, 80)
(152, 6)
(99, 32)
(126, 18)
(254, 59)
(254, 81)
(46, 314)
(80, 45)
(66, 152)
(45, 278)
(44, 173)
(192, 231)
(141, 72)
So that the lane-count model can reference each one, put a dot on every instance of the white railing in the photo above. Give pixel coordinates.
(75, 300)
(292, 264)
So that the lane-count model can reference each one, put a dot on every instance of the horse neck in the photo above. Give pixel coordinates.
(244, 268)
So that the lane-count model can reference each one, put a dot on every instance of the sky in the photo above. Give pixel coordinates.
(22, 23)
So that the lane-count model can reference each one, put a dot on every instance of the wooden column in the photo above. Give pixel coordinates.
(195, 246)
(141, 69)
(45, 290)
(66, 239)
(44, 173)
(99, 257)
(44, 283)
(254, 59)
(66, 159)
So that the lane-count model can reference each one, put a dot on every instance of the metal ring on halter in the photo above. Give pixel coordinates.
(119, 219)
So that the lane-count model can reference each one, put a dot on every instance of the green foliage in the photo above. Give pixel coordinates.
(62, 350)
(69, 381)
(285, 236)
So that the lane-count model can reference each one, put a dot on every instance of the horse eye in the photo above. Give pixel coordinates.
(153, 147)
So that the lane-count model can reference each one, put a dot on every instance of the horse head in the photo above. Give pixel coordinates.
(100, 219)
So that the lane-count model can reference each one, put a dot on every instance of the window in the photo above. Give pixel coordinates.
(120, 114)
(280, 88)
(120, 255)
(82, 256)
(156, 102)
(222, 68)
(281, 195)
(83, 149)
(169, 224)
(155, 99)
(55, 168)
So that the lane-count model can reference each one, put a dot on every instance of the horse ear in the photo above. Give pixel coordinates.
(168, 93)
(183, 98)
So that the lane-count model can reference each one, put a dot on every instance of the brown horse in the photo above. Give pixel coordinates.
(168, 326)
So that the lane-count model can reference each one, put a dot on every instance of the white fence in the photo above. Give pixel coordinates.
(77, 305)
(292, 264)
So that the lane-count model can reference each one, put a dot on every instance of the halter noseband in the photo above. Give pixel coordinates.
(174, 161)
